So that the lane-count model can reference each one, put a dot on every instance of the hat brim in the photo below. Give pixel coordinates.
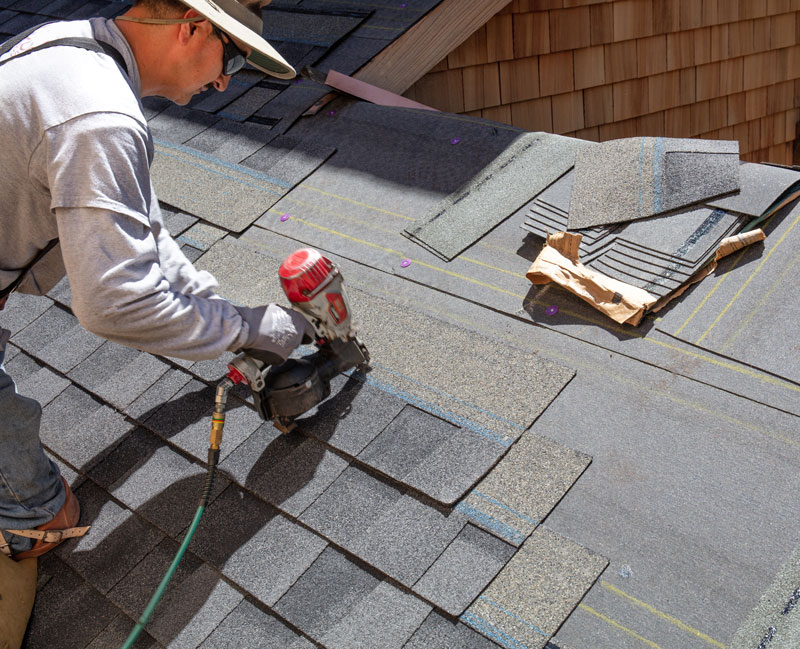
(262, 56)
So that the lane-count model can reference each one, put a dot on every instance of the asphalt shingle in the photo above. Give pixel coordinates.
(529, 599)
(117, 374)
(36, 382)
(117, 542)
(463, 570)
(524, 487)
(248, 627)
(254, 545)
(325, 593)
(69, 613)
(80, 429)
(21, 310)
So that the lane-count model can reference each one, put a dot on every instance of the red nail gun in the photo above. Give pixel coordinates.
(282, 392)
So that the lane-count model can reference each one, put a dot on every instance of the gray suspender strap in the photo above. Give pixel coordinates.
(85, 43)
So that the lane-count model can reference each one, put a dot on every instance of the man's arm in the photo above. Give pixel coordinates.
(119, 292)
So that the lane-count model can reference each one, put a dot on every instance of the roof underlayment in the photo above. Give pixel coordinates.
(516, 470)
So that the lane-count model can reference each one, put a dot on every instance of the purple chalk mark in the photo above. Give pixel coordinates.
(552, 310)
(405, 263)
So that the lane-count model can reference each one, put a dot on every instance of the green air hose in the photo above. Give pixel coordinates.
(217, 424)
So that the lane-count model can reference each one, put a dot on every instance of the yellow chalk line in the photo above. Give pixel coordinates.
(609, 327)
(749, 279)
(759, 305)
(708, 297)
(400, 254)
(617, 625)
(664, 616)
(354, 202)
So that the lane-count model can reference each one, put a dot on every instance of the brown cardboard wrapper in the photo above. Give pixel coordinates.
(558, 262)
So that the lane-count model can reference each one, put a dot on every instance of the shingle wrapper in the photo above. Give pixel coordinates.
(226, 194)
(512, 610)
(633, 178)
(658, 254)
(525, 168)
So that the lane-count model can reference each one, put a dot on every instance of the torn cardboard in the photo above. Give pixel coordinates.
(558, 262)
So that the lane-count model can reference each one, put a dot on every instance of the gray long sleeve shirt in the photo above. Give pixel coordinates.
(75, 152)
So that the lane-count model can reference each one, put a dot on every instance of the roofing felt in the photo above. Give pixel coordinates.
(670, 433)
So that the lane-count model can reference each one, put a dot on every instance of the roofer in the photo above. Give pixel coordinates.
(75, 152)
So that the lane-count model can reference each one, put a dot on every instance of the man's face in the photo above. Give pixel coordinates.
(202, 65)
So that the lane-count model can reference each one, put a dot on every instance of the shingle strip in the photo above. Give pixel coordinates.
(524, 169)
(524, 487)
(537, 590)
(633, 178)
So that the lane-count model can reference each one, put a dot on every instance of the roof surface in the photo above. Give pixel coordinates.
(516, 470)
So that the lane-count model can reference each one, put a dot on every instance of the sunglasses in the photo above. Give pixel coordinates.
(233, 59)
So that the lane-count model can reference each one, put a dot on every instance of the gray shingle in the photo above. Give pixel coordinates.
(201, 236)
(219, 192)
(431, 455)
(407, 538)
(232, 141)
(529, 165)
(81, 430)
(634, 178)
(117, 632)
(760, 186)
(116, 543)
(70, 348)
(117, 374)
(352, 417)
(211, 101)
(194, 603)
(157, 395)
(327, 591)
(312, 28)
(185, 420)
(536, 591)
(387, 618)
(289, 159)
(191, 611)
(463, 570)
(43, 329)
(176, 221)
(163, 487)
(69, 613)
(411, 437)
(254, 545)
(294, 471)
(35, 381)
(248, 627)
(62, 293)
(438, 632)
(524, 487)
(350, 505)
(177, 124)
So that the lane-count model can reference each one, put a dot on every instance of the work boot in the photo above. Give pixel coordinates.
(50, 534)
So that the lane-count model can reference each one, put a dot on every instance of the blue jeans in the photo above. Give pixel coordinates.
(31, 491)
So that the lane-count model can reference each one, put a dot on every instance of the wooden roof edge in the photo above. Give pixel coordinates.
(427, 42)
